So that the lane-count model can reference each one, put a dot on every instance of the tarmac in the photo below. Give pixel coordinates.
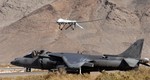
(18, 71)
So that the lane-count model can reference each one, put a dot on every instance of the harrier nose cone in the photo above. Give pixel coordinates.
(13, 62)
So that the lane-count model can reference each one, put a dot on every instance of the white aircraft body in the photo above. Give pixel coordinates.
(71, 23)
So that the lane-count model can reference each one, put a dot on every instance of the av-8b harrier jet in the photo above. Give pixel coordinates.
(83, 63)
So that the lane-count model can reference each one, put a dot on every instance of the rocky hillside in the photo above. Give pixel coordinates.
(28, 25)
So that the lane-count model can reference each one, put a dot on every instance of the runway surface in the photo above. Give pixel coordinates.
(21, 74)
(17, 71)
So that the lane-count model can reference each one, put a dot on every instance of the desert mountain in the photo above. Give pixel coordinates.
(111, 28)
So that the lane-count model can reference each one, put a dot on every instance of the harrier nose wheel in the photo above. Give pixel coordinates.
(28, 69)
